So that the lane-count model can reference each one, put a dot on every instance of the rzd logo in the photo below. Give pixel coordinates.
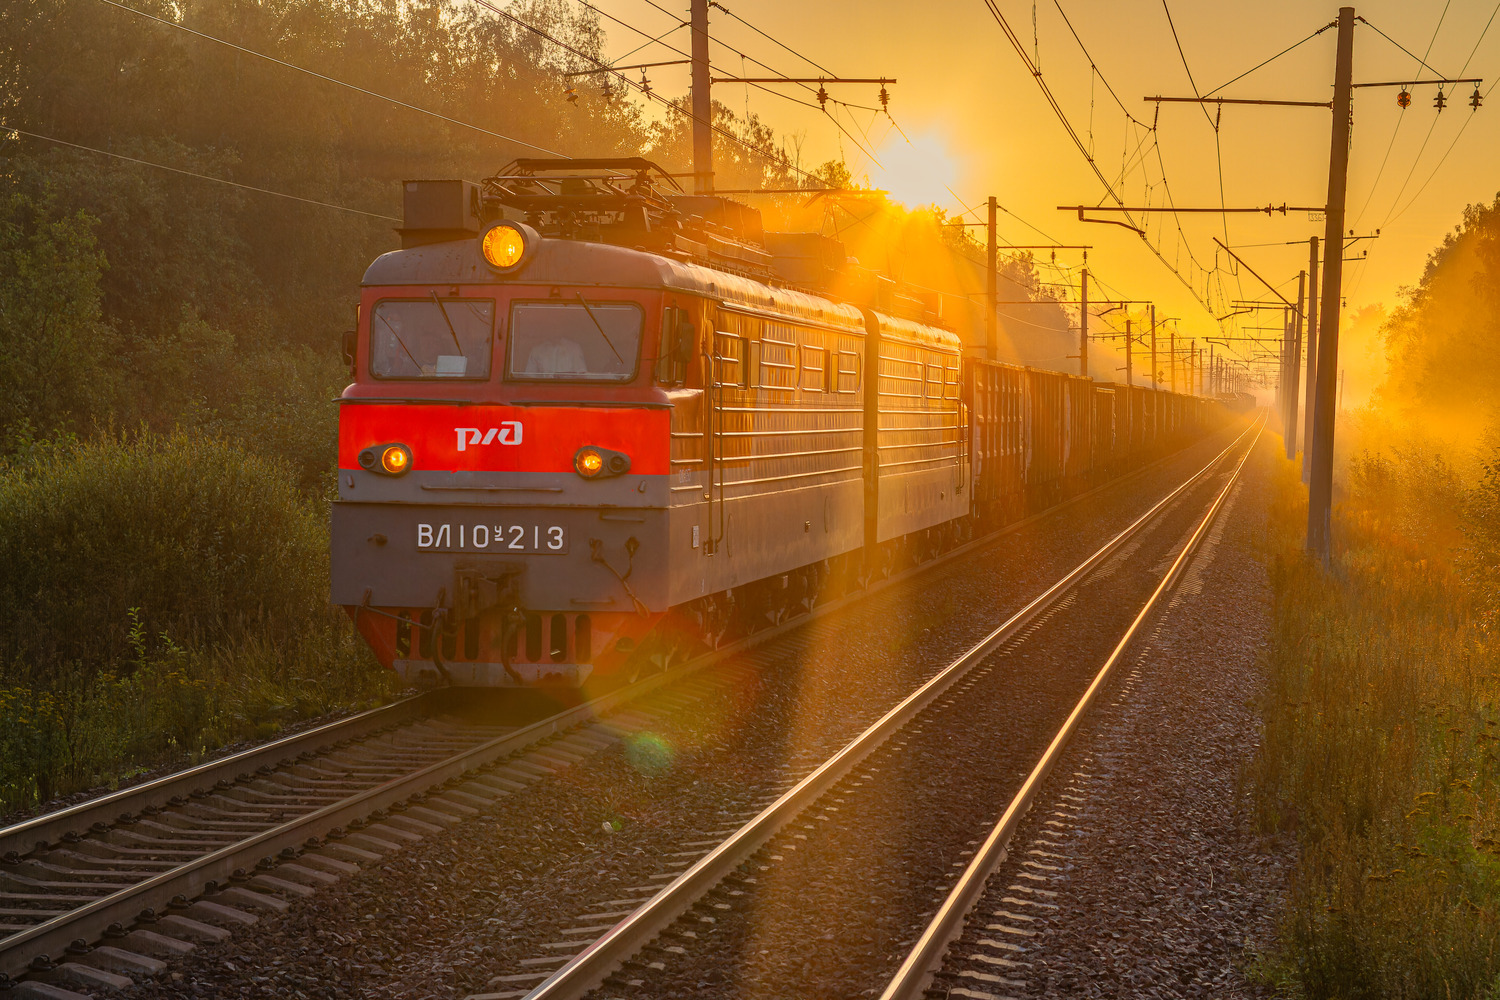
(509, 432)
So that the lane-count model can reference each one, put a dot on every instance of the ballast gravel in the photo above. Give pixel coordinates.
(450, 915)
(1162, 887)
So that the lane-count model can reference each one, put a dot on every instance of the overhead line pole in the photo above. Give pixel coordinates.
(703, 138)
(1312, 356)
(1129, 396)
(1291, 423)
(991, 285)
(1172, 357)
(1083, 324)
(1155, 382)
(1320, 486)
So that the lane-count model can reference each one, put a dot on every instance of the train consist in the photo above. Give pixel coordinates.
(596, 424)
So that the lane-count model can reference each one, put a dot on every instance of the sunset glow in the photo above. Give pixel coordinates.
(916, 173)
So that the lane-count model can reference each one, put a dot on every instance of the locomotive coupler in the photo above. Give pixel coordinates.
(488, 588)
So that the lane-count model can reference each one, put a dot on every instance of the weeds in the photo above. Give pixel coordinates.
(1381, 729)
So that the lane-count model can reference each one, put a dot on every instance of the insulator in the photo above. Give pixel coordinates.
(645, 83)
(1441, 101)
(1403, 99)
(1475, 100)
(572, 95)
(885, 96)
(822, 95)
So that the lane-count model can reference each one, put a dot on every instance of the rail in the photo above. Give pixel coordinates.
(590, 967)
(927, 954)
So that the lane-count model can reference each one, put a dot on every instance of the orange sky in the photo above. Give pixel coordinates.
(963, 87)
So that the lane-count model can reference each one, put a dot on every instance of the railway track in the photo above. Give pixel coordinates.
(95, 894)
(637, 941)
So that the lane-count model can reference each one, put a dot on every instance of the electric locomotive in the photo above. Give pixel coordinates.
(594, 421)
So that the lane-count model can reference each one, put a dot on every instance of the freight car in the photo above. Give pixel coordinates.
(594, 425)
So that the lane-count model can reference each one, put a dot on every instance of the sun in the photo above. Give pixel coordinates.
(918, 172)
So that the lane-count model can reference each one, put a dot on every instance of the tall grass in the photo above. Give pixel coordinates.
(1381, 728)
(162, 596)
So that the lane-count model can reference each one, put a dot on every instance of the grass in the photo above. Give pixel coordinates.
(1381, 728)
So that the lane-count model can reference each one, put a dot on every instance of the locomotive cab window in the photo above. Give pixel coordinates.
(586, 340)
(431, 338)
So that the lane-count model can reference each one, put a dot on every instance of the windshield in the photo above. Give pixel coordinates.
(431, 338)
(579, 341)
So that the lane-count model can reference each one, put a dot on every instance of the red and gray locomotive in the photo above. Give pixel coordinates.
(596, 423)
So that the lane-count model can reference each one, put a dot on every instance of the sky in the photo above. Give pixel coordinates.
(978, 124)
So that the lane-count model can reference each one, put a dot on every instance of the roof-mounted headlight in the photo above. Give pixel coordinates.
(507, 245)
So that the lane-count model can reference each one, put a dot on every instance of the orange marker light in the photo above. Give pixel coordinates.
(503, 246)
(396, 459)
(588, 462)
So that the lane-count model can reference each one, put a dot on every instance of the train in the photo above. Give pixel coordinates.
(597, 424)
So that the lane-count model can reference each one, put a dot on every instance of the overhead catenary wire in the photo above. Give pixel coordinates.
(1420, 60)
(333, 80)
(1374, 185)
(1267, 62)
(4, 128)
(1392, 214)
(1093, 65)
(869, 153)
(1062, 117)
(769, 155)
(1218, 144)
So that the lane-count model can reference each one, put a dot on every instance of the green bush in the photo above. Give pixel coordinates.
(167, 594)
(209, 541)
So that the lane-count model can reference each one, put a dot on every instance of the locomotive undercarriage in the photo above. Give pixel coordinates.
(505, 645)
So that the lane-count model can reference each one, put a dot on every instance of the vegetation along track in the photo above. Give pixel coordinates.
(711, 917)
(184, 857)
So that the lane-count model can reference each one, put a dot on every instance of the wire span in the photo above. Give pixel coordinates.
(333, 80)
(193, 173)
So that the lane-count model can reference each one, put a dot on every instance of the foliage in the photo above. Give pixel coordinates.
(1382, 723)
(165, 594)
(55, 350)
(1443, 376)
(210, 542)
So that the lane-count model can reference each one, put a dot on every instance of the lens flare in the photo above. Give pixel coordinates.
(918, 172)
(649, 753)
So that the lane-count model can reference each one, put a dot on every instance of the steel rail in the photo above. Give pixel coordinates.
(189, 879)
(590, 967)
(927, 954)
(46, 829)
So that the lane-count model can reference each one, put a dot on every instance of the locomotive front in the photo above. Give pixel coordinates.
(504, 452)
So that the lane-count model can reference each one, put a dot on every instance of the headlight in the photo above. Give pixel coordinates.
(386, 459)
(600, 463)
(506, 245)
